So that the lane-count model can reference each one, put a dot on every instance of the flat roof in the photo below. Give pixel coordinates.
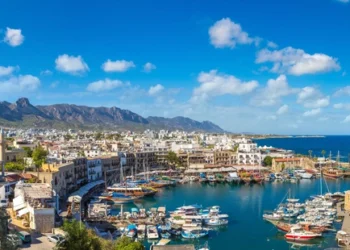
(36, 190)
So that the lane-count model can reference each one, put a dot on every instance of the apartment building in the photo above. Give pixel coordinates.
(94, 169)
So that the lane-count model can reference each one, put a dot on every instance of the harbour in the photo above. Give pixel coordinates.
(245, 206)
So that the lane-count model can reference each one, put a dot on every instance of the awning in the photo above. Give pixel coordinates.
(22, 211)
(19, 203)
(78, 195)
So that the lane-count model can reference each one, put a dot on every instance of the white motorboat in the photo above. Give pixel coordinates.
(152, 233)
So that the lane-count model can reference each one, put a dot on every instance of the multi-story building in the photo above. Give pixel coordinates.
(94, 169)
(80, 171)
(145, 159)
(110, 165)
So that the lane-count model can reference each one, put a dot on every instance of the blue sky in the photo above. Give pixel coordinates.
(249, 66)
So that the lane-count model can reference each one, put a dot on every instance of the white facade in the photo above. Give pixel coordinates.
(94, 168)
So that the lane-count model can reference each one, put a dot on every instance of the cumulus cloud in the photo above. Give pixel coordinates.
(71, 64)
(312, 112)
(104, 85)
(342, 91)
(226, 33)
(297, 62)
(282, 110)
(272, 93)
(213, 84)
(46, 72)
(272, 45)
(148, 67)
(117, 66)
(156, 89)
(13, 37)
(347, 119)
(341, 106)
(311, 97)
(5, 71)
(19, 83)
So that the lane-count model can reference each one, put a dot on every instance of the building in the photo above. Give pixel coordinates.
(94, 169)
(347, 201)
(34, 202)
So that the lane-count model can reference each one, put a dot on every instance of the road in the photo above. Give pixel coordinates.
(39, 242)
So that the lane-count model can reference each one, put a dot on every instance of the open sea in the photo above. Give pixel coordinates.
(301, 145)
(245, 204)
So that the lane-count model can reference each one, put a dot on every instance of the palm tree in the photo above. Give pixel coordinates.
(310, 153)
(323, 152)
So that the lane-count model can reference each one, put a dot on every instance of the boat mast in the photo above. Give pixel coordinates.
(121, 172)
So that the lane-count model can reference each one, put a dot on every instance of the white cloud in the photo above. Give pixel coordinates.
(156, 89)
(341, 106)
(272, 93)
(347, 119)
(213, 84)
(5, 71)
(104, 85)
(342, 91)
(272, 44)
(117, 66)
(13, 37)
(19, 83)
(297, 62)
(46, 72)
(226, 33)
(71, 64)
(312, 112)
(148, 67)
(311, 97)
(282, 110)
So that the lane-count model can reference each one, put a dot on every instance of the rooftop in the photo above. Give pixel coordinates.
(36, 190)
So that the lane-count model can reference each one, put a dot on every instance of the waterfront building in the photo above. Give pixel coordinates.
(347, 201)
(94, 169)
(279, 164)
(35, 203)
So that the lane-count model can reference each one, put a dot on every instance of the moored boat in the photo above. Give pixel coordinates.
(141, 231)
(333, 173)
(297, 233)
(152, 232)
(194, 234)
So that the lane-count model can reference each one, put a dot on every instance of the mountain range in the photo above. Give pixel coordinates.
(23, 113)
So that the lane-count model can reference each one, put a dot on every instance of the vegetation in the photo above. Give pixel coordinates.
(172, 158)
(39, 156)
(68, 137)
(29, 151)
(14, 166)
(323, 152)
(310, 153)
(235, 148)
(98, 136)
(78, 237)
(267, 161)
(5, 244)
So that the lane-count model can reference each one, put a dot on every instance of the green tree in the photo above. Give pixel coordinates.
(98, 136)
(39, 156)
(172, 158)
(323, 152)
(268, 161)
(125, 243)
(29, 151)
(310, 153)
(78, 237)
(14, 166)
(5, 244)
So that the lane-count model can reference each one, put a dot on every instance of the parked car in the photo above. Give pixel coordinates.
(4, 203)
(55, 238)
(25, 237)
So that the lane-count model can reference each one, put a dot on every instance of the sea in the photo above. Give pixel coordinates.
(245, 204)
(301, 145)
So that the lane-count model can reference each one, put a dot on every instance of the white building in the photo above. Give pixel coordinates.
(94, 168)
(248, 153)
(35, 200)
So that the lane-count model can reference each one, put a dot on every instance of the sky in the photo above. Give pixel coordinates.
(254, 66)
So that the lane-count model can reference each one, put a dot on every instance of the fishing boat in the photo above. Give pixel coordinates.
(165, 235)
(333, 173)
(141, 231)
(220, 178)
(175, 232)
(194, 234)
(152, 232)
(132, 190)
(303, 174)
(193, 179)
(216, 222)
(233, 178)
(247, 179)
(258, 178)
(211, 179)
(297, 233)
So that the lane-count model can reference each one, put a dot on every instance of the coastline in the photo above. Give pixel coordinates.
(288, 137)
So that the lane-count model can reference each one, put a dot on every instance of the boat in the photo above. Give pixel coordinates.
(303, 174)
(165, 235)
(175, 232)
(211, 178)
(297, 233)
(233, 178)
(152, 232)
(216, 222)
(258, 178)
(193, 179)
(141, 231)
(131, 231)
(333, 173)
(132, 190)
(118, 198)
(272, 216)
(194, 234)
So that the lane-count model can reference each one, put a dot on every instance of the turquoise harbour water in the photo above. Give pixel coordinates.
(245, 205)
